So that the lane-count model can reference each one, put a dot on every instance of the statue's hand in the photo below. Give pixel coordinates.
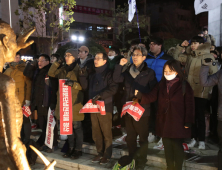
(23, 36)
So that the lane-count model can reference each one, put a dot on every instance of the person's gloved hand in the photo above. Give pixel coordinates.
(27, 102)
(83, 72)
(61, 60)
(69, 82)
(94, 99)
(34, 63)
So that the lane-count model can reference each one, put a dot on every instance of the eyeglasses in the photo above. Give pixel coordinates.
(152, 44)
(67, 55)
(40, 61)
(97, 58)
(81, 51)
(136, 55)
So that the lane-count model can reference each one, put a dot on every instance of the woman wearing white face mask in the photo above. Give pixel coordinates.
(175, 112)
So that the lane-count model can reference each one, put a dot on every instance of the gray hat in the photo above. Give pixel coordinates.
(74, 52)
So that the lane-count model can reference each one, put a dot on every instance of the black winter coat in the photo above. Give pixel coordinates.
(175, 110)
(89, 65)
(44, 88)
(144, 83)
(100, 82)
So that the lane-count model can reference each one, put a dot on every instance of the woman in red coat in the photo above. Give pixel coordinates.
(175, 112)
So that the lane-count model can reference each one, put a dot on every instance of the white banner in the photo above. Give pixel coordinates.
(205, 5)
(50, 129)
(132, 9)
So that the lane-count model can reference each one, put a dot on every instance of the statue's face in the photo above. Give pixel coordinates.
(8, 44)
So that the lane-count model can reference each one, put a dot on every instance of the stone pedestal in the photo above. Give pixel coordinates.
(214, 24)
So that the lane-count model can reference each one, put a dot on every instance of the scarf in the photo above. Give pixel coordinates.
(70, 67)
(135, 71)
(170, 83)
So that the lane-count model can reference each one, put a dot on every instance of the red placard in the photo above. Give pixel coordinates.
(135, 110)
(26, 111)
(65, 93)
(89, 107)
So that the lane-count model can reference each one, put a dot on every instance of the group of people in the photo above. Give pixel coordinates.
(173, 89)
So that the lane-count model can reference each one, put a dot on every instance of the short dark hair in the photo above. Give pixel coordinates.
(105, 56)
(55, 55)
(175, 66)
(47, 58)
(197, 39)
(18, 53)
(141, 48)
(36, 56)
(115, 49)
(157, 40)
(205, 29)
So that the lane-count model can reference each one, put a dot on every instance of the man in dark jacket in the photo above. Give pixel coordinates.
(43, 94)
(86, 61)
(114, 58)
(155, 60)
(101, 87)
(137, 77)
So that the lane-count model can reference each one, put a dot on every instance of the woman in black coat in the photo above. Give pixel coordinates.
(175, 112)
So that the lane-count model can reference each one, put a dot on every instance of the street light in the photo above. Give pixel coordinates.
(77, 39)
(81, 38)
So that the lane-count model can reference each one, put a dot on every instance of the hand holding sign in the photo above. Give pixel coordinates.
(136, 111)
(97, 97)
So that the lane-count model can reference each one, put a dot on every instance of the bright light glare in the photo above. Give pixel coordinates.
(74, 37)
(81, 39)
(109, 28)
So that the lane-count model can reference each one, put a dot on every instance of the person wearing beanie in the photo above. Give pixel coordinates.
(70, 72)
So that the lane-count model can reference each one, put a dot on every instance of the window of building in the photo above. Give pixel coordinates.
(90, 28)
(100, 28)
(20, 2)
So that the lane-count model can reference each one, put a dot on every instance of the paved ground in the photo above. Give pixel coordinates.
(41, 167)
(195, 159)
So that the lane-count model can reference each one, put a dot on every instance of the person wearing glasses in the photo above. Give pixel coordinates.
(86, 60)
(70, 72)
(138, 77)
(101, 86)
(155, 60)
(43, 95)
